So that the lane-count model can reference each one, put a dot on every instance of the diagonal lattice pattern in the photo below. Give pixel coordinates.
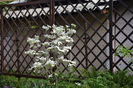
(86, 51)
(91, 42)
(21, 22)
(123, 33)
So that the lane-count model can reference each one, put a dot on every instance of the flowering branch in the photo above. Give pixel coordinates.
(59, 44)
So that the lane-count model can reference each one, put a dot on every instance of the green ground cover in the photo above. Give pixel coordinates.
(92, 79)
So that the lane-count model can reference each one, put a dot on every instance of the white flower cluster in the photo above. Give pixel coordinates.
(34, 42)
(59, 43)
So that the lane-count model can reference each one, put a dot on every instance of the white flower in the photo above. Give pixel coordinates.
(69, 40)
(72, 63)
(57, 42)
(73, 25)
(61, 59)
(50, 63)
(49, 36)
(49, 26)
(58, 31)
(46, 44)
(33, 41)
(42, 58)
(65, 38)
(60, 50)
(64, 49)
(71, 31)
(42, 53)
(31, 52)
(67, 26)
(65, 60)
(36, 37)
(45, 27)
(37, 64)
(77, 83)
(67, 48)
(51, 48)
(50, 76)
(38, 45)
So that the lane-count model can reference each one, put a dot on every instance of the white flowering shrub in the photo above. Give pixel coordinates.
(52, 51)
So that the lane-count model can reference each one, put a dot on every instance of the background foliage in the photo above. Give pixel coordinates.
(89, 79)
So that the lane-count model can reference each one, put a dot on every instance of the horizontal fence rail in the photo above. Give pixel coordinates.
(101, 27)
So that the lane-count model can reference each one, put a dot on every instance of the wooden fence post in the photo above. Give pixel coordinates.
(111, 35)
(2, 39)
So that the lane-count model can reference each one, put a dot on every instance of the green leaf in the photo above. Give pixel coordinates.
(34, 27)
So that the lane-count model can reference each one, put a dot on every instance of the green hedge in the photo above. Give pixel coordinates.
(93, 79)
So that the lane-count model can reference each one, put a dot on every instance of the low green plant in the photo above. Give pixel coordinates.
(97, 79)
(123, 79)
(89, 74)
(90, 79)
(124, 52)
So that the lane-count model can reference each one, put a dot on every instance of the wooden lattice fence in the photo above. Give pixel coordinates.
(101, 27)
